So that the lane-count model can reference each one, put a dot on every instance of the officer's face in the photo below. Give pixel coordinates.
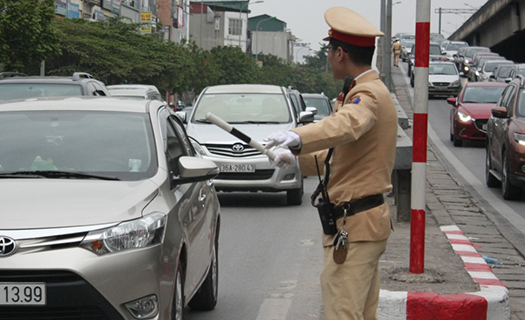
(335, 58)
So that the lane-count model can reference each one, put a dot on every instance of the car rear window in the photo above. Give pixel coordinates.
(482, 94)
(9, 91)
(244, 107)
(110, 143)
(320, 104)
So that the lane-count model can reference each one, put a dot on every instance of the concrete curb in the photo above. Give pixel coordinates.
(491, 302)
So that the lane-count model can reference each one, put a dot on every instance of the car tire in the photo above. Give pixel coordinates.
(510, 191)
(457, 142)
(294, 197)
(178, 294)
(492, 182)
(206, 296)
(451, 137)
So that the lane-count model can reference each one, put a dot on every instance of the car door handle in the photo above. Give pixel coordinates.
(202, 195)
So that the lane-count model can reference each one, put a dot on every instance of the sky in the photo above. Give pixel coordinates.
(305, 18)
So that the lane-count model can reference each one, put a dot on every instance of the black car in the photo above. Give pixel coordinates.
(22, 86)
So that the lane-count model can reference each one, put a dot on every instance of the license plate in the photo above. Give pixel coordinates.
(237, 168)
(28, 294)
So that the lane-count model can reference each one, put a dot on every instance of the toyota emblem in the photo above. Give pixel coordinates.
(7, 246)
(238, 147)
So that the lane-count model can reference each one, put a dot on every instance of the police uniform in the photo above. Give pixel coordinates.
(396, 49)
(363, 135)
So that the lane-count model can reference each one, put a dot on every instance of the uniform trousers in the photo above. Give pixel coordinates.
(396, 58)
(351, 290)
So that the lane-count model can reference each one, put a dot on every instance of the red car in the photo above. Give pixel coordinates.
(472, 109)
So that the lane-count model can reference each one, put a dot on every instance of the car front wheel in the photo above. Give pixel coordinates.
(491, 181)
(510, 191)
(206, 297)
(178, 295)
(294, 197)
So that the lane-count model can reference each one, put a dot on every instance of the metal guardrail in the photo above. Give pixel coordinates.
(402, 174)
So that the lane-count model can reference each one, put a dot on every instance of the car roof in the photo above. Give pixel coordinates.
(132, 87)
(441, 62)
(485, 84)
(244, 88)
(139, 92)
(77, 77)
(79, 103)
(314, 95)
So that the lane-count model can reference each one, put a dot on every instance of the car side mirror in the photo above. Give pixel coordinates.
(182, 116)
(499, 112)
(313, 110)
(194, 169)
(462, 74)
(451, 101)
(306, 117)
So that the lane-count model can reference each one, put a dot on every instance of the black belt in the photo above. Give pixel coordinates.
(357, 206)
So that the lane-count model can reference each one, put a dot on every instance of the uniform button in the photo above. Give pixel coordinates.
(337, 201)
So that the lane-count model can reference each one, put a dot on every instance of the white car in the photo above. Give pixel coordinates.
(443, 79)
(256, 110)
(139, 91)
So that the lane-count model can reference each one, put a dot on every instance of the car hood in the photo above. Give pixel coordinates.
(51, 203)
(442, 78)
(477, 110)
(209, 133)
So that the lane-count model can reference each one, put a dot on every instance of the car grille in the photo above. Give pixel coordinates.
(233, 150)
(441, 84)
(479, 124)
(257, 175)
(68, 297)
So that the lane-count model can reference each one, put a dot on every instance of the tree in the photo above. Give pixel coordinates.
(27, 33)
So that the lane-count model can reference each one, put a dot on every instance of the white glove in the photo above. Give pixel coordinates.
(283, 158)
(283, 139)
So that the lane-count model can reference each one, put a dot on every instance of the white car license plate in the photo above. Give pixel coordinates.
(237, 168)
(27, 294)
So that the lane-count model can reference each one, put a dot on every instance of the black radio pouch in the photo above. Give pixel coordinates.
(323, 205)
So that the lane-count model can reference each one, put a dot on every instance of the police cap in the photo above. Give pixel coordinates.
(350, 27)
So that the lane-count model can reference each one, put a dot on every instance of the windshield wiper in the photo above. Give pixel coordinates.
(55, 175)
(255, 122)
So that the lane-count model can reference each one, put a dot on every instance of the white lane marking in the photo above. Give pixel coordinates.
(274, 309)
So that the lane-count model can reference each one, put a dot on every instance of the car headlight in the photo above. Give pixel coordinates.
(463, 117)
(199, 148)
(466, 68)
(139, 233)
(477, 73)
(456, 83)
(467, 61)
(519, 138)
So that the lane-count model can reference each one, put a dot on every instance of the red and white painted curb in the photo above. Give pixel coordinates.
(491, 302)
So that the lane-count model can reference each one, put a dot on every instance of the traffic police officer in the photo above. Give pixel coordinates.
(363, 135)
(396, 49)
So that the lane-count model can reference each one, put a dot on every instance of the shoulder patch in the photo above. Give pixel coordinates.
(355, 100)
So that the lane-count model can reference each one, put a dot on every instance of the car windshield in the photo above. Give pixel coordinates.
(482, 94)
(490, 66)
(9, 91)
(504, 71)
(445, 69)
(320, 104)
(472, 51)
(455, 46)
(105, 143)
(435, 50)
(244, 108)
(522, 72)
